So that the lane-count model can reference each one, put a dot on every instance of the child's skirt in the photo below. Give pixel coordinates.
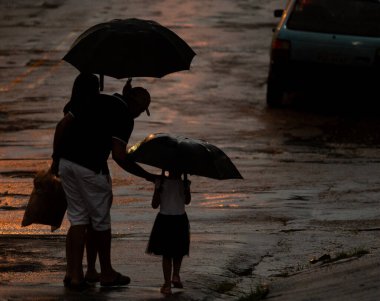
(170, 236)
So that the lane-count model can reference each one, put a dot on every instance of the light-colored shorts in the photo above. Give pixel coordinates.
(88, 194)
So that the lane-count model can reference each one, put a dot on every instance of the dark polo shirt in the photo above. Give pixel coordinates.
(88, 142)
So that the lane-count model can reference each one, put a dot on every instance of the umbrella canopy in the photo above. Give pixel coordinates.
(130, 48)
(192, 156)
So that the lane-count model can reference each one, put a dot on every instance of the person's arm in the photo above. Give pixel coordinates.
(119, 154)
(60, 130)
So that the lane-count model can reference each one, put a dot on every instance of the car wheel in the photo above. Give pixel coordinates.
(275, 94)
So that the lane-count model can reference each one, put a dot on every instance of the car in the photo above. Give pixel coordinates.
(324, 44)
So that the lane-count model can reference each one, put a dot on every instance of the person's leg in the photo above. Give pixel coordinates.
(92, 274)
(108, 277)
(75, 241)
(104, 249)
(167, 270)
(78, 217)
(97, 194)
(176, 279)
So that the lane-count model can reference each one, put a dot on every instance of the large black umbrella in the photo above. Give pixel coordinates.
(130, 48)
(192, 156)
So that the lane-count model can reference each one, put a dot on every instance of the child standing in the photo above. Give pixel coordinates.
(170, 236)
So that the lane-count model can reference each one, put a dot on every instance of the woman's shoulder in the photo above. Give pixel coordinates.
(114, 106)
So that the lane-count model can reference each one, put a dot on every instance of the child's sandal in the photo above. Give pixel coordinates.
(177, 284)
(166, 289)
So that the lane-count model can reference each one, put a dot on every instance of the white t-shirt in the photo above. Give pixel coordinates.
(172, 197)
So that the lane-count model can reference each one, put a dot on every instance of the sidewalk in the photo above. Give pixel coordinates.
(58, 292)
(354, 279)
(33, 269)
(351, 279)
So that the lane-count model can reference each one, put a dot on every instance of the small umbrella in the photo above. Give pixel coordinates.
(192, 156)
(130, 48)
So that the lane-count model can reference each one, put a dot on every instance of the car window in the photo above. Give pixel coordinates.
(350, 17)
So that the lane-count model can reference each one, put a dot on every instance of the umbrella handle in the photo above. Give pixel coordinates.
(129, 83)
(101, 82)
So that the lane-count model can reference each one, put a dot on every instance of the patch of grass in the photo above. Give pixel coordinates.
(326, 258)
(225, 287)
(301, 267)
(283, 274)
(259, 294)
(357, 252)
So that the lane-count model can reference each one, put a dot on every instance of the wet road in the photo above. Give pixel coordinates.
(311, 174)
